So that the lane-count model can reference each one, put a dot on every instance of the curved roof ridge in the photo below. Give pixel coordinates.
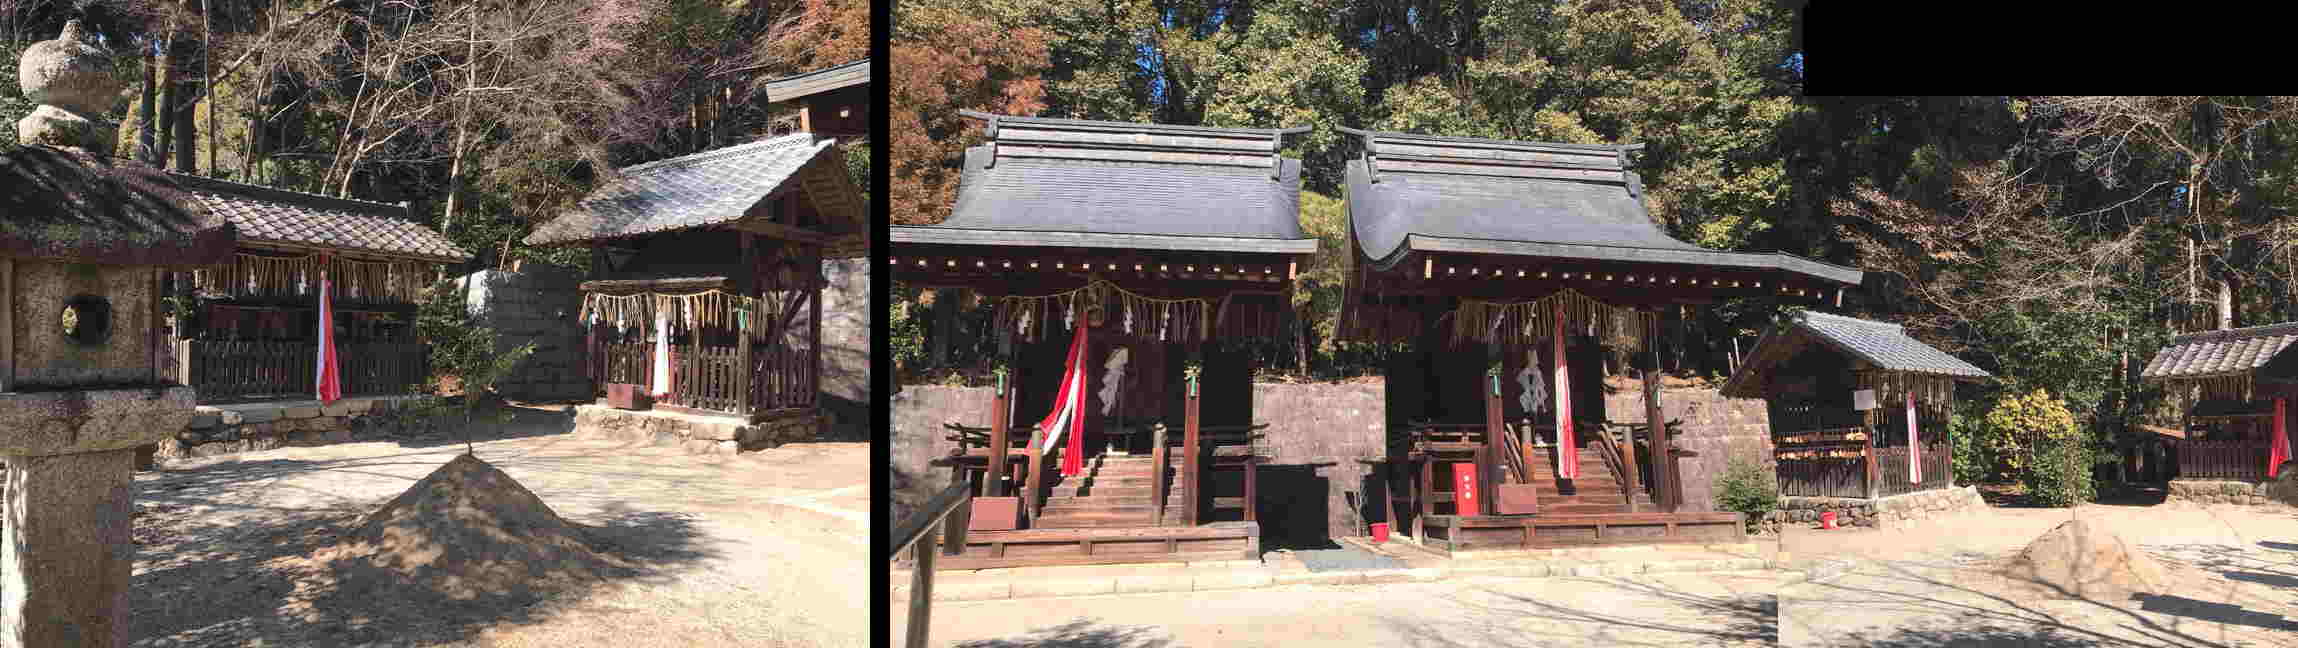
(723, 152)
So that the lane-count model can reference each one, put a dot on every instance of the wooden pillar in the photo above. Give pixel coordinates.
(921, 592)
(998, 441)
(1191, 439)
(1867, 454)
(7, 326)
(1157, 465)
(1665, 490)
(813, 374)
(1488, 474)
(746, 285)
(1030, 474)
(1427, 497)
(1252, 465)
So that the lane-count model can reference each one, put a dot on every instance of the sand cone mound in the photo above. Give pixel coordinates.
(469, 530)
(2079, 559)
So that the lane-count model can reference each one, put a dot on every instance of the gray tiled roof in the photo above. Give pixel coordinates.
(2226, 352)
(845, 75)
(1882, 344)
(714, 187)
(67, 204)
(272, 215)
(1062, 182)
(1569, 201)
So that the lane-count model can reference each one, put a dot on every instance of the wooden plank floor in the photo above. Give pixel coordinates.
(1103, 546)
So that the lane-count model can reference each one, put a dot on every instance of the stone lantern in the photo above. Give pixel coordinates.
(83, 241)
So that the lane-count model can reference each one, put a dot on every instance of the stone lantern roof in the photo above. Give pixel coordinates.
(63, 198)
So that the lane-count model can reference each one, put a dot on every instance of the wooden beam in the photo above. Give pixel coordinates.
(1191, 436)
(998, 441)
(785, 232)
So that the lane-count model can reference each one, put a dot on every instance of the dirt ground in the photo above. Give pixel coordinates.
(1675, 610)
(2234, 572)
(765, 549)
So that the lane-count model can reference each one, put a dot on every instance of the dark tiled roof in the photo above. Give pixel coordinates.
(1567, 201)
(705, 189)
(798, 86)
(273, 215)
(1062, 182)
(70, 205)
(2228, 352)
(1882, 344)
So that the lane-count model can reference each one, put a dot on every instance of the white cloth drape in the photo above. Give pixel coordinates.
(661, 353)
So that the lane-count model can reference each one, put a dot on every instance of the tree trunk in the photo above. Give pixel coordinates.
(2226, 316)
(169, 95)
(462, 129)
(145, 147)
(186, 132)
(207, 78)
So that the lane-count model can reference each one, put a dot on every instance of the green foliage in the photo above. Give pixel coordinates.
(1974, 462)
(459, 347)
(858, 168)
(13, 105)
(2019, 424)
(1748, 488)
(2059, 473)
(906, 332)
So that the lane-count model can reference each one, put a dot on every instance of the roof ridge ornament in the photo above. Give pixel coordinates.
(990, 132)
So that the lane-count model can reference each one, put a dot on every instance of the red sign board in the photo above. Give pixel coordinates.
(1464, 492)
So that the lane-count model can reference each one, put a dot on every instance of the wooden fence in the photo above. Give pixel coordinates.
(1891, 469)
(2236, 460)
(228, 370)
(780, 377)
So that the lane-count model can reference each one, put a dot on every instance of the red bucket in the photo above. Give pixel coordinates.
(1380, 532)
(1827, 520)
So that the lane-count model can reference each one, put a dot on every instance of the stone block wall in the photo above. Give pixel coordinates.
(915, 437)
(232, 429)
(1716, 427)
(2201, 491)
(1897, 511)
(540, 305)
(846, 317)
(695, 434)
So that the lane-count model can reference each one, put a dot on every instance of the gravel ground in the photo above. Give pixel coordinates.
(1673, 610)
(766, 549)
(2234, 571)
(1345, 558)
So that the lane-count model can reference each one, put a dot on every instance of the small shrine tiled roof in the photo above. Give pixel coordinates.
(1882, 344)
(2221, 353)
(293, 218)
(797, 86)
(711, 188)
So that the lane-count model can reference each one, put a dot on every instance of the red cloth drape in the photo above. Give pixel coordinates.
(330, 380)
(1567, 447)
(2279, 449)
(1069, 407)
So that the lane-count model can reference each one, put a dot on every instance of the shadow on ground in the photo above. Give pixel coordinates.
(1081, 633)
(1951, 612)
(212, 570)
(1733, 619)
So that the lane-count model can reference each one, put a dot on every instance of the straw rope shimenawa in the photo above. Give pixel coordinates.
(1525, 323)
(712, 308)
(1164, 319)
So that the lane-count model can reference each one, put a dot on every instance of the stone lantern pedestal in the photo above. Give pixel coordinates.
(83, 246)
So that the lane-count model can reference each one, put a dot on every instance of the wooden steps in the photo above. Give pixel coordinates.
(1114, 492)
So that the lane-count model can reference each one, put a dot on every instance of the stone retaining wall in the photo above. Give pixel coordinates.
(1716, 427)
(1316, 434)
(1892, 512)
(538, 305)
(2200, 491)
(693, 433)
(232, 429)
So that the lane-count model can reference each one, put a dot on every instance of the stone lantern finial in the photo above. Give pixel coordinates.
(72, 81)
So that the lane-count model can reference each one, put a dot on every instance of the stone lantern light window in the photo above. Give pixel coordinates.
(87, 320)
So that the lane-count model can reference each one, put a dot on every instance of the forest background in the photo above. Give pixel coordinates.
(488, 116)
(2054, 241)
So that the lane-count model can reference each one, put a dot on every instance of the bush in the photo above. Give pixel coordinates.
(1747, 487)
(2059, 474)
(2017, 423)
(1973, 463)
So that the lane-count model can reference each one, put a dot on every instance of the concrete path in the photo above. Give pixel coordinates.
(2235, 572)
(1675, 609)
(762, 549)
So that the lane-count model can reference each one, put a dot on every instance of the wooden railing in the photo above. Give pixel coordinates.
(1826, 469)
(2236, 460)
(939, 529)
(227, 370)
(1609, 448)
(1891, 470)
(710, 378)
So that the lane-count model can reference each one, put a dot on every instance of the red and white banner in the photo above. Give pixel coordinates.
(1914, 447)
(330, 380)
(2279, 449)
(1567, 447)
(1068, 415)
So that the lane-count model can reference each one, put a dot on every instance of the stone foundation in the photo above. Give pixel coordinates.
(697, 434)
(2211, 491)
(217, 430)
(1897, 511)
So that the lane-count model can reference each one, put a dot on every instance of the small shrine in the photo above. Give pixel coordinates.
(2234, 388)
(82, 249)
